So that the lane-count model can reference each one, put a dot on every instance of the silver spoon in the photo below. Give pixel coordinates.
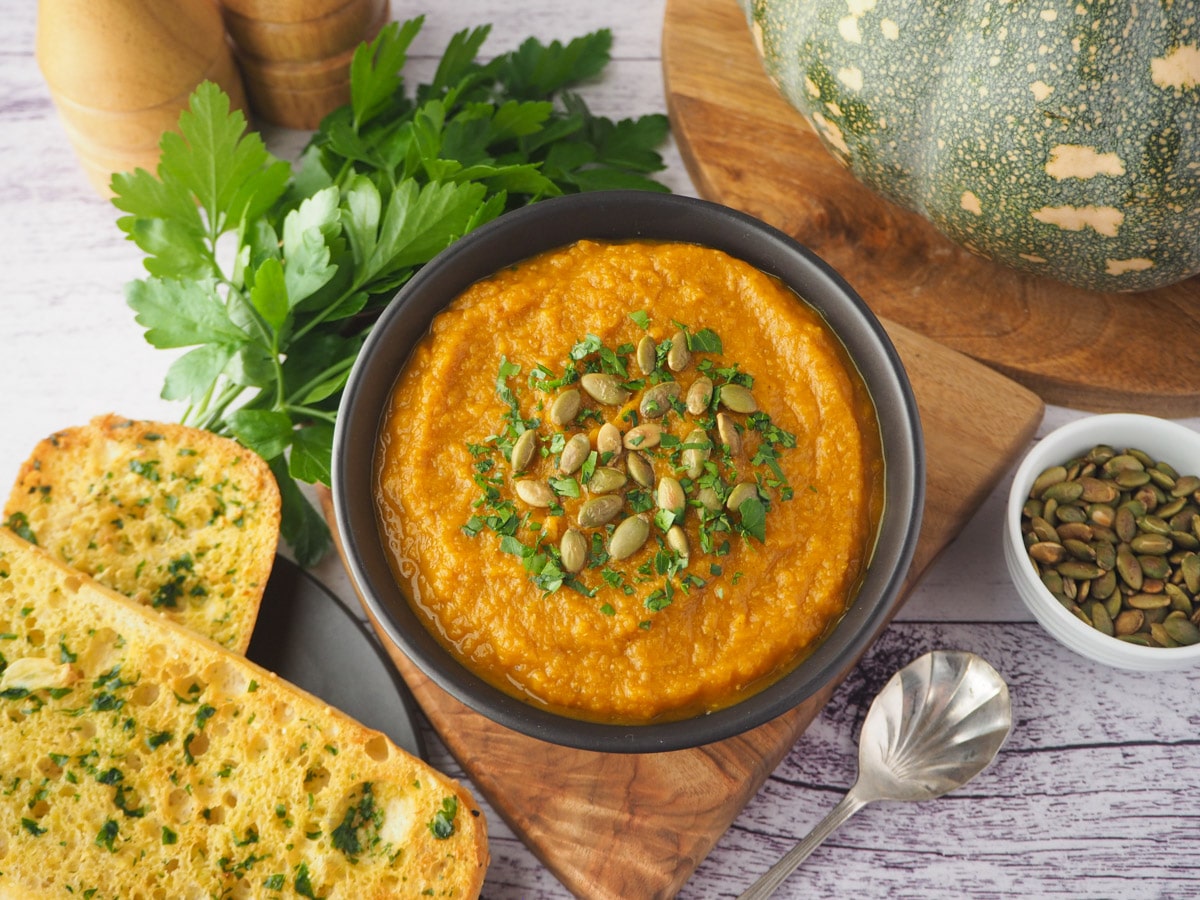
(935, 725)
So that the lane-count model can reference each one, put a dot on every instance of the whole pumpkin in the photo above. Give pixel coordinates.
(1060, 138)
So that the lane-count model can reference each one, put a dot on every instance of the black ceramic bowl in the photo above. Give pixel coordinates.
(616, 215)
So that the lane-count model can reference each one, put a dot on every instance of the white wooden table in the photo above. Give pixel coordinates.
(1096, 794)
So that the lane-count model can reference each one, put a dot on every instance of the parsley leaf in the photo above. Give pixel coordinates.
(270, 279)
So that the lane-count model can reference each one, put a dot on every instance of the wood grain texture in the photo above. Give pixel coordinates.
(637, 825)
(746, 147)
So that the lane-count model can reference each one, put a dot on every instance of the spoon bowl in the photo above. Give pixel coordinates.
(936, 724)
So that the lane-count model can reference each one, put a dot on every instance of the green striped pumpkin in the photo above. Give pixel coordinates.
(1060, 138)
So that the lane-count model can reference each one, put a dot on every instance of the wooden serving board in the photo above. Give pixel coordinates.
(630, 826)
(746, 147)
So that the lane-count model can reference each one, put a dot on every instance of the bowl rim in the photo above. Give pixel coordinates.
(1054, 448)
(625, 215)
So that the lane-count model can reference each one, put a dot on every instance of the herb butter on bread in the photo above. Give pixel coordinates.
(140, 760)
(177, 518)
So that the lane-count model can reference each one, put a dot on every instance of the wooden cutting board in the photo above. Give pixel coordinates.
(744, 146)
(630, 826)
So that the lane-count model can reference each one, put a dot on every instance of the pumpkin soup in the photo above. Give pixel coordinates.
(629, 481)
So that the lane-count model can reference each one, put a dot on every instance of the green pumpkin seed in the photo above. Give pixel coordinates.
(536, 493)
(1044, 530)
(573, 548)
(640, 470)
(599, 510)
(1106, 586)
(1096, 490)
(1052, 475)
(1063, 492)
(677, 540)
(1186, 486)
(575, 454)
(727, 431)
(709, 499)
(670, 494)
(1074, 531)
(1161, 478)
(523, 450)
(1154, 525)
(738, 399)
(628, 537)
(1070, 513)
(1148, 601)
(656, 401)
(609, 442)
(1101, 621)
(1155, 567)
(1185, 540)
(1125, 523)
(647, 355)
(1129, 569)
(679, 356)
(1128, 621)
(606, 479)
(644, 436)
(1122, 462)
(699, 395)
(1080, 550)
(1190, 566)
(565, 407)
(1132, 478)
(741, 492)
(1179, 599)
(1155, 544)
(1181, 630)
(1048, 553)
(1160, 635)
(696, 450)
(1141, 640)
(1077, 568)
(604, 388)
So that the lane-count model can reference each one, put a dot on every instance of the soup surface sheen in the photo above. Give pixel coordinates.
(647, 637)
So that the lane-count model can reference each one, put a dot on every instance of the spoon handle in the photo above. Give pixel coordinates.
(766, 885)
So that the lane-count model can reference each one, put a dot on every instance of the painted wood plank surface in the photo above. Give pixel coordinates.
(1094, 796)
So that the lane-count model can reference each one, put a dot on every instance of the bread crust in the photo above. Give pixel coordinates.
(178, 518)
(141, 759)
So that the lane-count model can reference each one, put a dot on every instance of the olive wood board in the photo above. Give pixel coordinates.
(746, 147)
(637, 825)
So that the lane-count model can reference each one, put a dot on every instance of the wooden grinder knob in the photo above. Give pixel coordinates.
(120, 72)
(295, 54)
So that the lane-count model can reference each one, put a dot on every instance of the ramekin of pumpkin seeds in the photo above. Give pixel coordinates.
(1102, 539)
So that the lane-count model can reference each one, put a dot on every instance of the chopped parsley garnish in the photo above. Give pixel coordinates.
(687, 445)
(442, 824)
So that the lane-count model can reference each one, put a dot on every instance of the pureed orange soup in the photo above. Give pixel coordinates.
(629, 481)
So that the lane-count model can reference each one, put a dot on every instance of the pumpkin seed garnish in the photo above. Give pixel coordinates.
(604, 388)
(565, 407)
(668, 431)
(1111, 535)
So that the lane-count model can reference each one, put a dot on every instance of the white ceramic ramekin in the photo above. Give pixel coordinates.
(1163, 440)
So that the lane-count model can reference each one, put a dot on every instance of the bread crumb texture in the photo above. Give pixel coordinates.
(138, 761)
(178, 518)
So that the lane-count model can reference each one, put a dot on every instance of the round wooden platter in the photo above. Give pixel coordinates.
(745, 147)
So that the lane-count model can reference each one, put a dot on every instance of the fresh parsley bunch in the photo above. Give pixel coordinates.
(272, 278)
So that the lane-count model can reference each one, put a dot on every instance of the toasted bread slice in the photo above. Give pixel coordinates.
(177, 518)
(142, 760)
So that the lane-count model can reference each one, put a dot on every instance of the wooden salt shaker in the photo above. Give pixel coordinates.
(120, 72)
(295, 54)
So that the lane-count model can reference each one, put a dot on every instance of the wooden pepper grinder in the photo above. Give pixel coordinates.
(120, 72)
(295, 54)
